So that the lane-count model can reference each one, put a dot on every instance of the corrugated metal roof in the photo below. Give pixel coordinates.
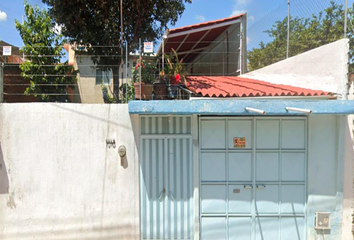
(230, 86)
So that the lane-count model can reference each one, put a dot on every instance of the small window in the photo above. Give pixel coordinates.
(103, 77)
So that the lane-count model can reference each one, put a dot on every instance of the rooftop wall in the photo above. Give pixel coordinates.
(324, 68)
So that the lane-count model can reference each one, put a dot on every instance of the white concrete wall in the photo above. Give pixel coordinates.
(59, 180)
(324, 68)
(330, 156)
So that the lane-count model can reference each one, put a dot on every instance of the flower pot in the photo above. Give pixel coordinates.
(160, 91)
(137, 90)
(146, 91)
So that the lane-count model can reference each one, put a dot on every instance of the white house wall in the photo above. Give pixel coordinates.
(59, 180)
(330, 150)
(88, 90)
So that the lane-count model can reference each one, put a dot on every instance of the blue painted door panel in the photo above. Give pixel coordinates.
(255, 191)
(166, 189)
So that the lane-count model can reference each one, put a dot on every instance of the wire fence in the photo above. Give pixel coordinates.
(222, 58)
(258, 32)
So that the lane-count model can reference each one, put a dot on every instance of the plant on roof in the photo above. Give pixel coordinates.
(175, 69)
(148, 71)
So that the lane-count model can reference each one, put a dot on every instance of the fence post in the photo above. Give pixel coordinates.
(126, 71)
(2, 82)
(288, 36)
(140, 61)
(345, 18)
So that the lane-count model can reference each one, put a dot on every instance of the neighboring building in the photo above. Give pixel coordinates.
(14, 84)
(16, 55)
(91, 78)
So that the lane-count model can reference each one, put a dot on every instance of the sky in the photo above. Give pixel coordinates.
(198, 11)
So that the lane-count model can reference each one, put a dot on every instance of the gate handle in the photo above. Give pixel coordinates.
(261, 186)
(171, 195)
(247, 186)
(162, 194)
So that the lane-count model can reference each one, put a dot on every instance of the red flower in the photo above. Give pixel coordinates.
(137, 66)
(178, 78)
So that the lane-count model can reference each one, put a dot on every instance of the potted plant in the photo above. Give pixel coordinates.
(176, 74)
(160, 92)
(148, 71)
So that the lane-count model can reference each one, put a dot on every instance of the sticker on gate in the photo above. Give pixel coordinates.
(239, 142)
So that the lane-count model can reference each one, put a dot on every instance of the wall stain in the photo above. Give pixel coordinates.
(11, 201)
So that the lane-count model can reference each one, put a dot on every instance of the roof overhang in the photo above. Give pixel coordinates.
(238, 107)
(191, 40)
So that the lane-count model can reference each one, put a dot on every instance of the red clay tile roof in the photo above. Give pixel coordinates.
(229, 86)
(204, 24)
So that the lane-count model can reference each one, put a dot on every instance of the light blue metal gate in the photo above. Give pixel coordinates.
(166, 178)
(253, 178)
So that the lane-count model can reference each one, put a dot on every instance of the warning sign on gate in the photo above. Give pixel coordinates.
(239, 142)
(6, 50)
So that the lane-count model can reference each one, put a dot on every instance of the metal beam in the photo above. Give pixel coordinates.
(180, 45)
(194, 50)
(1, 82)
(200, 39)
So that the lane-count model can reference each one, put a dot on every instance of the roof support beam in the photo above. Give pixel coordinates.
(201, 39)
(180, 45)
(193, 50)
(212, 47)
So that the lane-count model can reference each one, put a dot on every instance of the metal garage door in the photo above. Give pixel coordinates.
(166, 178)
(253, 178)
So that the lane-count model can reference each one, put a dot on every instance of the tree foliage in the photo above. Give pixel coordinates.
(96, 24)
(305, 34)
(43, 47)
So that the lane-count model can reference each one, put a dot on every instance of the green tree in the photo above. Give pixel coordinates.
(43, 47)
(305, 34)
(96, 24)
